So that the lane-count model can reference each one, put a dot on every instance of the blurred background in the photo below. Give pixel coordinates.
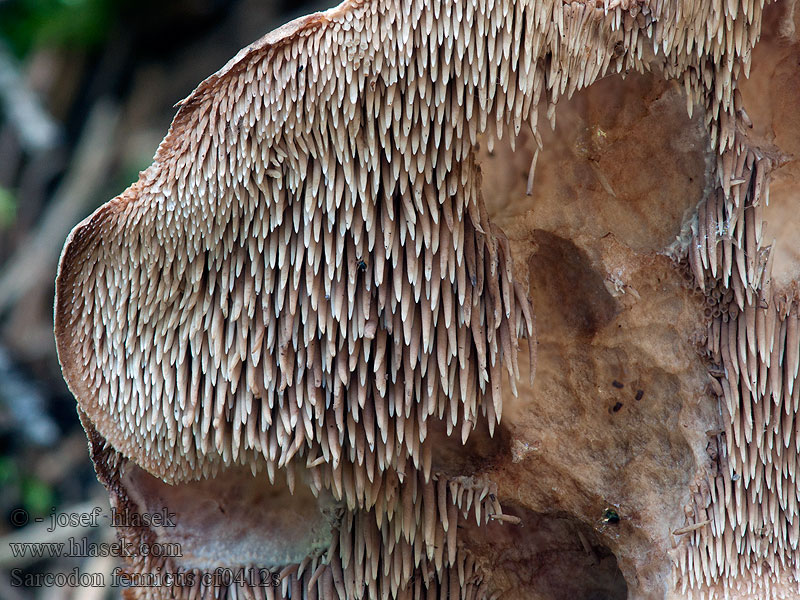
(87, 91)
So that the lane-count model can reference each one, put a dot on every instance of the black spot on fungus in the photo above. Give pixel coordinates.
(639, 394)
(611, 516)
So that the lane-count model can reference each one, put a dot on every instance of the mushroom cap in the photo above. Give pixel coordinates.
(291, 278)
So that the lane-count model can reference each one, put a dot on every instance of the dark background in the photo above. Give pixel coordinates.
(87, 91)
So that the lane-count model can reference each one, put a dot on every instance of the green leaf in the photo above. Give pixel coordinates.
(37, 496)
(27, 24)
(8, 471)
(8, 208)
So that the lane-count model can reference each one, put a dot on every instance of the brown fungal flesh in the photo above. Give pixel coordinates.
(306, 284)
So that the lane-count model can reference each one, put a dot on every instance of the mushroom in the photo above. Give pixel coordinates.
(273, 290)
(306, 282)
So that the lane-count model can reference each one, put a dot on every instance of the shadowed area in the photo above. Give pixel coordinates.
(585, 306)
(548, 556)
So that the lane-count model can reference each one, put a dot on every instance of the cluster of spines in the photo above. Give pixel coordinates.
(303, 155)
(412, 552)
(751, 502)
(249, 283)
(385, 292)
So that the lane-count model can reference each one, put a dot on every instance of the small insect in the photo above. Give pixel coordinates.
(362, 266)
(616, 407)
(611, 516)
(617, 384)
(639, 394)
